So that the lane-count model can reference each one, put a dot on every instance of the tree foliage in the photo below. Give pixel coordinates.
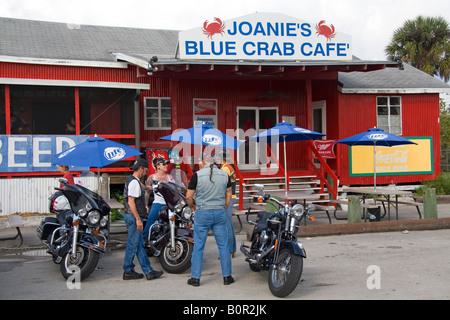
(424, 43)
(445, 124)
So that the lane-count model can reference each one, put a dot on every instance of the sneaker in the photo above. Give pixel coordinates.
(228, 280)
(153, 274)
(132, 275)
(194, 282)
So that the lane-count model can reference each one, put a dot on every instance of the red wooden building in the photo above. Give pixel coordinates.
(249, 73)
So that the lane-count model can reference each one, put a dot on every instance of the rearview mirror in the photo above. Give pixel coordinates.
(259, 187)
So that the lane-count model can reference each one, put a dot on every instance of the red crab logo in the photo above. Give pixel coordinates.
(324, 30)
(213, 27)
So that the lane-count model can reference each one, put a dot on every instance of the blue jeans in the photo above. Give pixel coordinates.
(152, 218)
(135, 247)
(230, 227)
(216, 221)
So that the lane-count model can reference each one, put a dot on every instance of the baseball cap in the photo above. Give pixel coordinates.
(157, 161)
(139, 163)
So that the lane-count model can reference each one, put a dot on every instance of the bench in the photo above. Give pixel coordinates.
(249, 208)
(15, 222)
(320, 207)
(345, 201)
(411, 203)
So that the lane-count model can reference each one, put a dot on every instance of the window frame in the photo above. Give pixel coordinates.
(160, 118)
(389, 115)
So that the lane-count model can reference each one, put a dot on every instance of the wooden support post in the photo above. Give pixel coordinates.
(430, 204)
(354, 210)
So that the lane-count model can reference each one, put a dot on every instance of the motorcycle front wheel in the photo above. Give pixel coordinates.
(285, 275)
(84, 262)
(179, 259)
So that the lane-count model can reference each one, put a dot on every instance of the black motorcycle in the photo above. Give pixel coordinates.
(78, 234)
(171, 238)
(274, 245)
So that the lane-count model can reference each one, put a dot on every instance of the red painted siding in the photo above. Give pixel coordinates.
(230, 94)
(347, 114)
(51, 72)
(357, 113)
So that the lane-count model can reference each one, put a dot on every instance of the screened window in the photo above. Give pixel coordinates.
(389, 114)
(158, 114)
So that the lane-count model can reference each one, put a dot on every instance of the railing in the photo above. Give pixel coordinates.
(322, 173)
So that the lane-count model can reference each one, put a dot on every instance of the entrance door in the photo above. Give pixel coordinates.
(319, 113)
(251, 121)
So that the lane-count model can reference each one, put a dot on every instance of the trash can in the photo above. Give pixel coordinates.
(374, 214)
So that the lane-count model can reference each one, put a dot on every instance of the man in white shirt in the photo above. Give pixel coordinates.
(134, 200)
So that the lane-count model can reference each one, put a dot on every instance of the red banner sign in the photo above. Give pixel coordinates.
(325, 148)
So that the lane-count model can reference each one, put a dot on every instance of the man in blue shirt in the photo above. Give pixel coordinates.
(212, 189)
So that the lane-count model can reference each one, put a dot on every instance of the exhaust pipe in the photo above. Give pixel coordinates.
(244, 250)
(251, 258)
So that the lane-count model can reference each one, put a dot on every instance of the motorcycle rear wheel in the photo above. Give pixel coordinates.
(178, 260)
(285, 275)
(85, 262)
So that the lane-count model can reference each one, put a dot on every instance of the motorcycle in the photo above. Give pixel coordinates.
(78, 234)
(171, 238)
(274, 245)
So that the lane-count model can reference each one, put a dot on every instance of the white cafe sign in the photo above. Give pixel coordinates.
(265, 36)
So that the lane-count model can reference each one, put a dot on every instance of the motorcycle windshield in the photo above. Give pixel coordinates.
(172, 194)
(78, 196)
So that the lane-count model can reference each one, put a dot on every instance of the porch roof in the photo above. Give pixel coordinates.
(252, 67)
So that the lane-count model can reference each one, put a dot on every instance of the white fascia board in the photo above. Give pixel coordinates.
(70, 83)
(393, 90)
(64, 62)
(131, 59)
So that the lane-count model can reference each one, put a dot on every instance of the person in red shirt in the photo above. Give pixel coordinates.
(66, 174)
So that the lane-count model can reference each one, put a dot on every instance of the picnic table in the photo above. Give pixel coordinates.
(387, 194)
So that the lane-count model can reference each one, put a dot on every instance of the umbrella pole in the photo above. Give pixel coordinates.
(374, 167)
(285, 168)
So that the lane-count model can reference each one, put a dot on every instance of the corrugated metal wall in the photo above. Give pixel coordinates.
(230, 94)
(18, 195)
(29, 71)
(357, 113)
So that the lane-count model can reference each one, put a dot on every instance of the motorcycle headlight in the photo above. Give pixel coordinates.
(104, 221)
(82, 213)
(94, 217)
(298, 211)
(311, 207)
(187, 213)
(178, 208)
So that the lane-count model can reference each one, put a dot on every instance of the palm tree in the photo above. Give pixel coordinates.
(424, 43)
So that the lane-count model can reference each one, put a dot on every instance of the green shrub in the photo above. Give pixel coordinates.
(441, 184)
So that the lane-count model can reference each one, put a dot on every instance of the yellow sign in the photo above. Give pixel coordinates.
(397, 160)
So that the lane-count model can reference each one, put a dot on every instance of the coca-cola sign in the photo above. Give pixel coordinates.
(397, 160)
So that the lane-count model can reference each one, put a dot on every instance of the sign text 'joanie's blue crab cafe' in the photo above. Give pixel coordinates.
(266, 36)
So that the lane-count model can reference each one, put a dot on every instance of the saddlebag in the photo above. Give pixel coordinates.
(46, 228)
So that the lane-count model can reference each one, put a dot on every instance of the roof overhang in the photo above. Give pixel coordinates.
(74, 83)
(393, 90)
(64, 62)
(251, 67)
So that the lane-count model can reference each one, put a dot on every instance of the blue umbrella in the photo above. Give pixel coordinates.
(204, 135)
(375, 137)
(95, 152)
(285, 131)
